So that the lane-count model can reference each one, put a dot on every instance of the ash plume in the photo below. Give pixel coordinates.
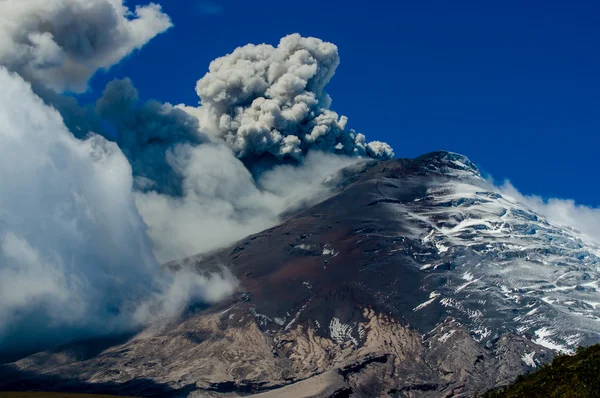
(95, 197)
(61, 44)
(146, 132)
(264, 100)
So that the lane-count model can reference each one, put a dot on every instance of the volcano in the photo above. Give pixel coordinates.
(415, 278)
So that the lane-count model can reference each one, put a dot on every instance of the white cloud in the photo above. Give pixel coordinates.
(188, 286)
(75, 259)
(61, 44)
(221, 202)
(564, 212)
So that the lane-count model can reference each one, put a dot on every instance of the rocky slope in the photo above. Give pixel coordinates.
(416, 278)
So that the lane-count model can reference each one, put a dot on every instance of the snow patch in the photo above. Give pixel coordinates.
(328, 251)
(446, 336)
(441, 248)
(573, 340)
(428, 237)
(464, 285)
(432, 297)
(480, 334)
(227, 310)
(528, 360)
(361, 331)
(289, 325)
(341, 332)
(542, 338)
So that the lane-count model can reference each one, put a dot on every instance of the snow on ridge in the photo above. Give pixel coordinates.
(537, 276)
(446, 336)
(432, 297)
(328, 251)
(341, 332)
(480, 334)
(542, 337)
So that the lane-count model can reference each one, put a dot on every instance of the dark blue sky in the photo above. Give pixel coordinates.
(514, 85)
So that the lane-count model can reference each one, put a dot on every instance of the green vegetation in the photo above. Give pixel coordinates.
(576, 376)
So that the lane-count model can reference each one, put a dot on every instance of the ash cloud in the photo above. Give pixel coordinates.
(264, 100)
(193, 193)
(146, 133)
(198, 192)
(95, 198)
(61, 44)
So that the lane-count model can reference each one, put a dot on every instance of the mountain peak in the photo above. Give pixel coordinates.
(449, 164)
(412, 267)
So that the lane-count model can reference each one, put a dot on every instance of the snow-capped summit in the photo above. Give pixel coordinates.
(511, 269)
(449, 164)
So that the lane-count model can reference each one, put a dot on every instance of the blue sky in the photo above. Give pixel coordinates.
(513, 85)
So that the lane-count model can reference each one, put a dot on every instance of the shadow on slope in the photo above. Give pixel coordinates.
(12, 379)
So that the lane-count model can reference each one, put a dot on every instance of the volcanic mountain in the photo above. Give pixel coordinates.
(416, 278)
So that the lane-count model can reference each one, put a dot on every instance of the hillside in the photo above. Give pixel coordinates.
(576, 376)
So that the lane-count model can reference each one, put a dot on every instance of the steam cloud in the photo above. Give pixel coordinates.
(65, 205)
(61, 43)
(222, 202)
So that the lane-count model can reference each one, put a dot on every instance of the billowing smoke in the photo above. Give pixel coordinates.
(94, 198)
(264, 100)
(146, 132)
(62, 43)
(194, 194)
